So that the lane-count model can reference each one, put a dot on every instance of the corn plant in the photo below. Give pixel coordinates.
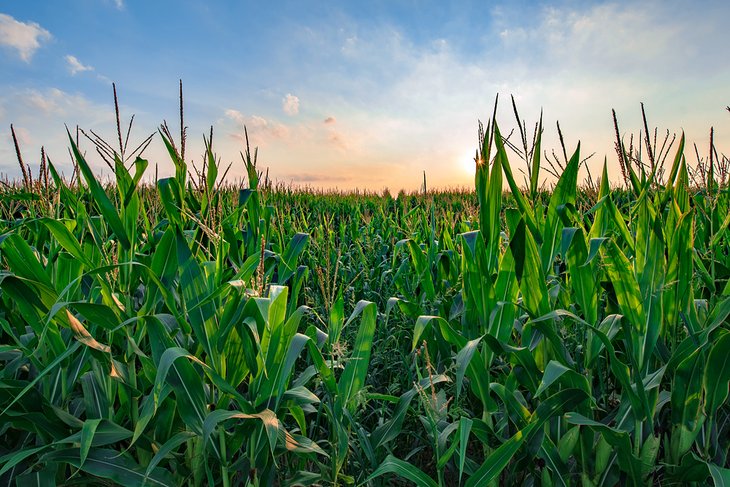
(199, 332)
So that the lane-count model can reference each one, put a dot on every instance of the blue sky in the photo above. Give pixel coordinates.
(359, 94)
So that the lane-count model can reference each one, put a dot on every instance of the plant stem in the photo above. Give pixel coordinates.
(224, 467)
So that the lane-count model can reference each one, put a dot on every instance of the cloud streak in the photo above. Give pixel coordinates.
(262, 129)
(53, 102)
(42, 114)
(75, 66)
(24, 38)
(315, 178)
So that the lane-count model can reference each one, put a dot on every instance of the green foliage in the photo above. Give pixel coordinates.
(199, 333)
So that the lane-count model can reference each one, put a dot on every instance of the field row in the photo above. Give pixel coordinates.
(191, 333)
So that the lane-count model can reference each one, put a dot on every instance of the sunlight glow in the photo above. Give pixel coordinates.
(467, 164)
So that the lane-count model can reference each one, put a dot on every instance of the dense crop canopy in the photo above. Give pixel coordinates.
(193, 333)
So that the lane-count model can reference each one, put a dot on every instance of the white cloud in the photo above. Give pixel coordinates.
(290, 104)
(119, 4)
(25, 38)
(263, 129)
(33, 108)
(43, 113)
(236, 116)
(54, 102)
(75, 66)
(610, 36)
(315, 178)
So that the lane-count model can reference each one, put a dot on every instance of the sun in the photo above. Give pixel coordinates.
(467, 164)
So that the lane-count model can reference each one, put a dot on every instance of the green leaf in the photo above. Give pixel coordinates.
(404, 470)
(649, 451)
(392, 428)
(87, 436)
(67, 240)
(496, 462)
(526, 210)
(622, 276)
(717, 374)
(104, 433)
(567, 443)
(325, 372)
(14, 458)
(463, 359)
(110, 464)
(168, 447)
(555, 371)
(268, 418)
(528, 270)
(51, 367)
(564, 195)
(22, 260)
(422, 324)
(619, 440)
(353, 377)
(465, 425)
(45, 477)
(169, 195)
(490, 215)
(288, 262)
(106, 207)
(421, 265)
(498, 459)
(720, 476)
(687, 417)
(186, 383)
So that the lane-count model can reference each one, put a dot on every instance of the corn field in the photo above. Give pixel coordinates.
(191, 332)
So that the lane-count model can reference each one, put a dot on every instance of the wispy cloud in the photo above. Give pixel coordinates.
(308, 177)
(50, 109)
(75, 66)
(53, 102)
(607, 36)
(42, 114)
(119, 4)
(263, 129)
(24, 38)
(290, 104)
